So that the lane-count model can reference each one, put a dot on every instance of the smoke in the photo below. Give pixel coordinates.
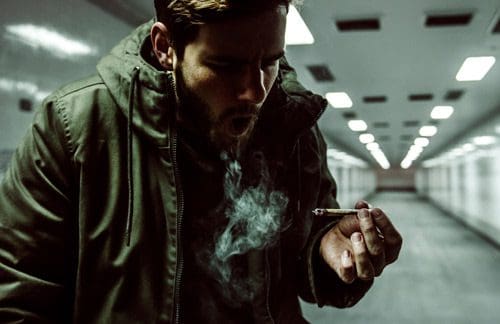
(254, 217)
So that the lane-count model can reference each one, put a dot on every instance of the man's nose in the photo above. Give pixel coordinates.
(252, 88)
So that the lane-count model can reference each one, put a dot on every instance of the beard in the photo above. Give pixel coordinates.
(228, 132)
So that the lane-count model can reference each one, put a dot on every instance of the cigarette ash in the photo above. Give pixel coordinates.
(254, 217)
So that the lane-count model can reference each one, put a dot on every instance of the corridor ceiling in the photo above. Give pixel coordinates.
(396, 59)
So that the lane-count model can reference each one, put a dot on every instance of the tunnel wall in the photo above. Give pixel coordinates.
(354, 182)
(467, 184)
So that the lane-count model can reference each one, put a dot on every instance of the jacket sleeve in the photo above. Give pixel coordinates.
(319, 283)
(34, 226)
(323, 286)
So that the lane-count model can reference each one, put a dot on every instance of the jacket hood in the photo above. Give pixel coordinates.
(135, 83)
(144, 91)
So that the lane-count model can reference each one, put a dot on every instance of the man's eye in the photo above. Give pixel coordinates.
(270, 63)
(224, 65)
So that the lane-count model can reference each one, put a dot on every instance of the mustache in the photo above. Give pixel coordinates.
(246, 110)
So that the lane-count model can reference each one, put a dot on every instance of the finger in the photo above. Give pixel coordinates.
(362, 204)
(373, 242)
(392, 238)
(347, 271)
(364, 267)
(348, 225)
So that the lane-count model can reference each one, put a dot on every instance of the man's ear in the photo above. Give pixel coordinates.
(162, 45)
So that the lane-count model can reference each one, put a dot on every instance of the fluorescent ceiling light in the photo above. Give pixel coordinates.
(475, 68)
(412, 155)
(468, 147)
(421, 141)
(29, 88)
(50, 40)
(366, 138)
(416, 148)
(357, 125)
(381, 159)
(484, 140)
(372, 146)
(406, 163)
(428, 131)
(457, 152)
(441, 112)
(297, 32)
(339, 99)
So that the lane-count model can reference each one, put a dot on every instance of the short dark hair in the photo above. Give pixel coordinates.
(183, 17)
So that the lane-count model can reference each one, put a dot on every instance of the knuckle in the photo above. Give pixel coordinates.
(366, 274)
(367, 225)
(348, 279)
(377, 250)
(395, 240)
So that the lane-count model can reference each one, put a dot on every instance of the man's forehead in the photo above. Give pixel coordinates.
(242, 57)
(262, 36)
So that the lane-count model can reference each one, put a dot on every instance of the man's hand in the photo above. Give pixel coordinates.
(361, 246)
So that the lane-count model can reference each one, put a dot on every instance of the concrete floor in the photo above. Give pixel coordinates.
(445, 273)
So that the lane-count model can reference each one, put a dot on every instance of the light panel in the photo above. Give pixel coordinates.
(441, 112)
(366, 138)
(381, 159)
(475, 68)
(339, 100)
(372, 146)
(297, 32)
(357, 125)
(50, 40)
(457, 152)
(484, 140)
(428, 131)
(421, 141)
(468, 147)
(9, 85)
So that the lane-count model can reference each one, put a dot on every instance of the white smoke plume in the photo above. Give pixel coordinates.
(254, 222)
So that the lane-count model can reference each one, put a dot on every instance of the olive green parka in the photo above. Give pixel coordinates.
(91, 206)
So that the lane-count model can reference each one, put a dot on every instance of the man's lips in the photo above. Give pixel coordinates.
(239, 125)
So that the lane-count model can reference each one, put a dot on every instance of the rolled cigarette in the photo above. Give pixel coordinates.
(333, 212)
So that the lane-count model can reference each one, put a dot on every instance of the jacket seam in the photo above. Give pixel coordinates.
(61, 109)
(63, 113)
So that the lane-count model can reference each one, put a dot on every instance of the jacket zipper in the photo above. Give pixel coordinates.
(180, 212)
(268, 285)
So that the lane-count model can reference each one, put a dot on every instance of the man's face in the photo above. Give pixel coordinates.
(226, 74)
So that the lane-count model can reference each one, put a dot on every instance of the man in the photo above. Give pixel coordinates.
(177, 185)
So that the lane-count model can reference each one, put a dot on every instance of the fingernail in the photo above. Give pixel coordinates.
(376, 212)
(363, 213)
(346, 258)
(356, 237)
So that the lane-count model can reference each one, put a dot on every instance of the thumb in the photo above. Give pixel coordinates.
(362, 204)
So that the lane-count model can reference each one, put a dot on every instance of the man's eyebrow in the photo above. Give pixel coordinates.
(234, 59)
(275, 56)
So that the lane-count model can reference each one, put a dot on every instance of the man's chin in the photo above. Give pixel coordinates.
(233, 145)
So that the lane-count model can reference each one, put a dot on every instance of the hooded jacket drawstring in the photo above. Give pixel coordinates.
(299, 180)
(130, 178)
